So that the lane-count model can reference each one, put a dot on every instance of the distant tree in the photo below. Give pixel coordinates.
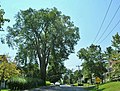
(70, 75)
(108, 53)
(43, 34)
(93, 61)
(66, 79)
(114, 56)
(116, 42)
(84, 54)
(30, 70)
(55, 71)
(77, 75)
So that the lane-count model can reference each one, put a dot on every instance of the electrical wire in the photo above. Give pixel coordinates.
(110, 32)
(103, 21)
(108, 24)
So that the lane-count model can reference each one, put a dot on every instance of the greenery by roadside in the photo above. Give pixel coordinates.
(111, 86)
(48, 83)
(88, 85)
(42, 50)
(21, 83)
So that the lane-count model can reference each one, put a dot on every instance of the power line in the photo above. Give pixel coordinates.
(108, 24)
(103, 21)
(110, 31)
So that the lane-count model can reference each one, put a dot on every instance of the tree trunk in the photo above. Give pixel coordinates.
(42, 67)
(43, 72)
(91, 79)
(0, 85)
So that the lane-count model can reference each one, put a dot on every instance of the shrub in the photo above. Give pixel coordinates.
(17, 83)
(48, 83)
(21, 83)
(76, 84)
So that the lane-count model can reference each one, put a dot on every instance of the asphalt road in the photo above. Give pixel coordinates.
(60, 88)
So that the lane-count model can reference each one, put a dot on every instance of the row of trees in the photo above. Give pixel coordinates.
(45, 38)
(97, 62)
(71, 77)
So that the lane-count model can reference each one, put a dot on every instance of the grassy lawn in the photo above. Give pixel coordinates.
(111, 86)
(88, 85)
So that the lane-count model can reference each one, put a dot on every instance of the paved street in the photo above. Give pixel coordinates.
(60, 88)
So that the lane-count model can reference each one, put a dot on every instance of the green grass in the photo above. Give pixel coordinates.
(111, 86)
(76, 84)
(88, 85)
(48, 83)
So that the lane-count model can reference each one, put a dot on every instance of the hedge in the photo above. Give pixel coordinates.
(21, 83)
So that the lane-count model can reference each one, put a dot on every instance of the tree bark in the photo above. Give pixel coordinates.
(43, 72)
(0, 85)
(42, 68)
(91, 79)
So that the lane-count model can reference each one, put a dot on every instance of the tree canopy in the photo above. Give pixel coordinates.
(8, 70)
(93, 61)
(113, 56)
(42, 35)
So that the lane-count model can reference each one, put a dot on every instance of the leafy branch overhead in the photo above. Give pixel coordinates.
(2, 19)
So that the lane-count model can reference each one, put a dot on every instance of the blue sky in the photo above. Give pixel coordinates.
(86, 14)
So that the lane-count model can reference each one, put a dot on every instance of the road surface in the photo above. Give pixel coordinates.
(60, 88)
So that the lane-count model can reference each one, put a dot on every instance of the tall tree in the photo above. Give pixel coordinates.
(43, 33)
(113, 55)
(93, 61)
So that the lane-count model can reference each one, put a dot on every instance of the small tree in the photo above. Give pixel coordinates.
(8, 70)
